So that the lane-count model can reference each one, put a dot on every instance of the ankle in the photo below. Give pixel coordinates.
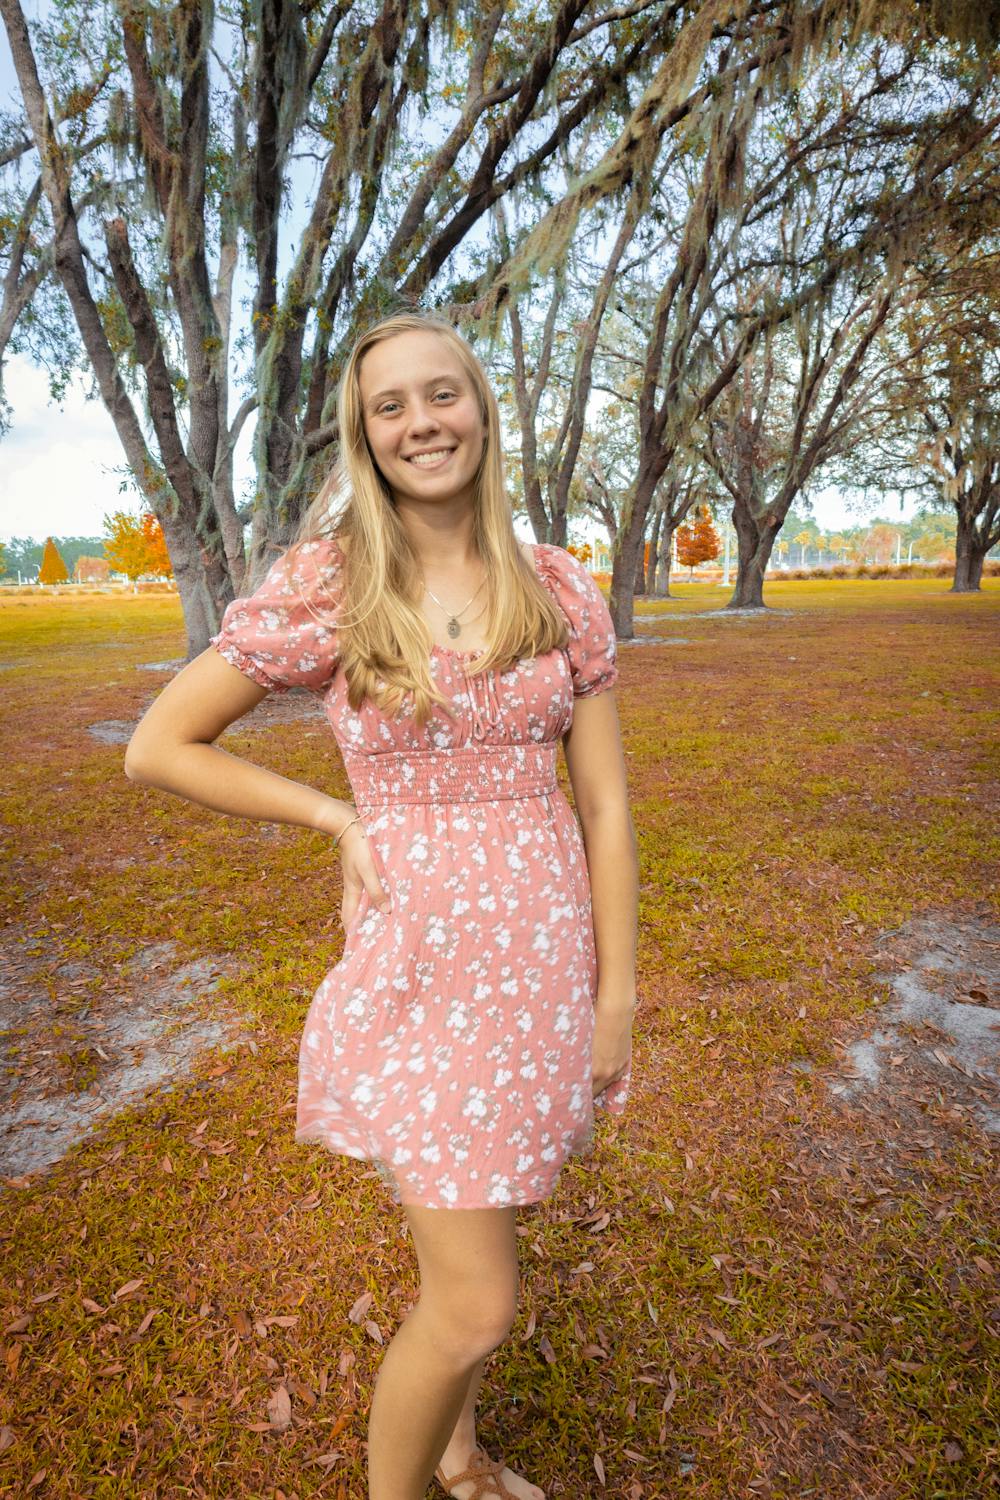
(461, 1444)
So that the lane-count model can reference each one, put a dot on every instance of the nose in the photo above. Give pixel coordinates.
(423, 417)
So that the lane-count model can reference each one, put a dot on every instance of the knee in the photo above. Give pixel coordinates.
(466, 1329)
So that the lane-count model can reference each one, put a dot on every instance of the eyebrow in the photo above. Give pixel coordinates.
(434, 380)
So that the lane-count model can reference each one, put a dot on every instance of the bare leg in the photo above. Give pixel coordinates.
(463, 1441)
(419, 1394)
(463, 1436)
(468, 1301)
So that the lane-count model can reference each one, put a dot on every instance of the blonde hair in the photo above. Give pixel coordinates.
(384, 641)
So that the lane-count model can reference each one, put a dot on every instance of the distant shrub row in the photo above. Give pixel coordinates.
(991, 569)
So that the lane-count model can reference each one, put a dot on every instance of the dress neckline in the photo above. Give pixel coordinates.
(478, 651)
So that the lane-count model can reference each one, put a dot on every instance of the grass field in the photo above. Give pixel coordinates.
(756, 1287)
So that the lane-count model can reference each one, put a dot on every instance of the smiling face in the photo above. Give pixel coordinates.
(417, 399)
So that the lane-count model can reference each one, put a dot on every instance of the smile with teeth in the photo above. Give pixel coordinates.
(430, 460)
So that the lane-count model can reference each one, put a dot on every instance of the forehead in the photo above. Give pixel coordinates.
(409, 358)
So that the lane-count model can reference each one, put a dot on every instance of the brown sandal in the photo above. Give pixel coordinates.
(483, 1471)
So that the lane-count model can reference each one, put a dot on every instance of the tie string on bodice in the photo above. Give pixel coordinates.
(487, 710)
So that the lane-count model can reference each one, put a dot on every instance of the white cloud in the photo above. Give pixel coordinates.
(56, 462)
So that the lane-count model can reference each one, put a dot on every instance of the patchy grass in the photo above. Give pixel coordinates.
(751, 1290)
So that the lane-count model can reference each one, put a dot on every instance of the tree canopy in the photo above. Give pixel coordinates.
(203, 205)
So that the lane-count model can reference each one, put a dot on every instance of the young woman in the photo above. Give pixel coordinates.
(482, 1010)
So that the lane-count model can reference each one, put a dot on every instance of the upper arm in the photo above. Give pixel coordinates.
(594, 755)
(196, 706)
(281, 636)
(592, 744)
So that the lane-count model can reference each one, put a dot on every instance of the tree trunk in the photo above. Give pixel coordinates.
(970, 554)
(665, 549)
(754, 544)
(203, 583)
(649, 581)
(640, 569)
(977, 514)
(624, 567)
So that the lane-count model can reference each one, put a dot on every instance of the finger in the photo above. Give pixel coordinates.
(350, 908)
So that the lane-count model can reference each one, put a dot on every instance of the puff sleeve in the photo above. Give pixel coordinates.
(284, 634)
(592, 648)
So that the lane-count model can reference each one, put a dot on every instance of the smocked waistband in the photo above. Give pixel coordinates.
(463, 773)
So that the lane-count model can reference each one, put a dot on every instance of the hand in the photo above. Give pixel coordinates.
(612, 1046)
(360, 873)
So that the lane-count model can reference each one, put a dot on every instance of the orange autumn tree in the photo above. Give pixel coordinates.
(699, 542)
(135, 545)
(156, 542)
(53, 568)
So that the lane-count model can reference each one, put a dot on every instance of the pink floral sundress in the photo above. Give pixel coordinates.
(451, 1045)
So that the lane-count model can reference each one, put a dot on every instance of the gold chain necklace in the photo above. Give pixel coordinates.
(454, 628)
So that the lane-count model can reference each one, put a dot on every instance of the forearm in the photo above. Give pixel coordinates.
(612, 860)
(209, 775)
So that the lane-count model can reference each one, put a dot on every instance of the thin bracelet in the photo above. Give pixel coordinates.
(340, 835)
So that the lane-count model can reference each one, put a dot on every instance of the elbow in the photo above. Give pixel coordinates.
(606, 806)
(131, 768)
(152, 762)
(611, 820)
(136, 764)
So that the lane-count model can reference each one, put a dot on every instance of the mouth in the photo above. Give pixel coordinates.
(434, 460)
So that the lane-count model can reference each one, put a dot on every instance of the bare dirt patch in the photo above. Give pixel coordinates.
(112, 731)
(935, 1046)
(766, 612)
(79, 1046)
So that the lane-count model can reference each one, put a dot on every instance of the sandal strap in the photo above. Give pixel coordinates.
(483, 1471)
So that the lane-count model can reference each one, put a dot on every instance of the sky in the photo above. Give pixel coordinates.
(61, 466)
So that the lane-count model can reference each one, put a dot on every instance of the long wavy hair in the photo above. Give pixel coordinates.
(384, 642)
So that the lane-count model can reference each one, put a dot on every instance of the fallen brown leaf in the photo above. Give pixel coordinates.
(547, 1351)
(143, 1326)
(279, 1408)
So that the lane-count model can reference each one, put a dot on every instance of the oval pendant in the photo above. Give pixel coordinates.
(454, 628)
